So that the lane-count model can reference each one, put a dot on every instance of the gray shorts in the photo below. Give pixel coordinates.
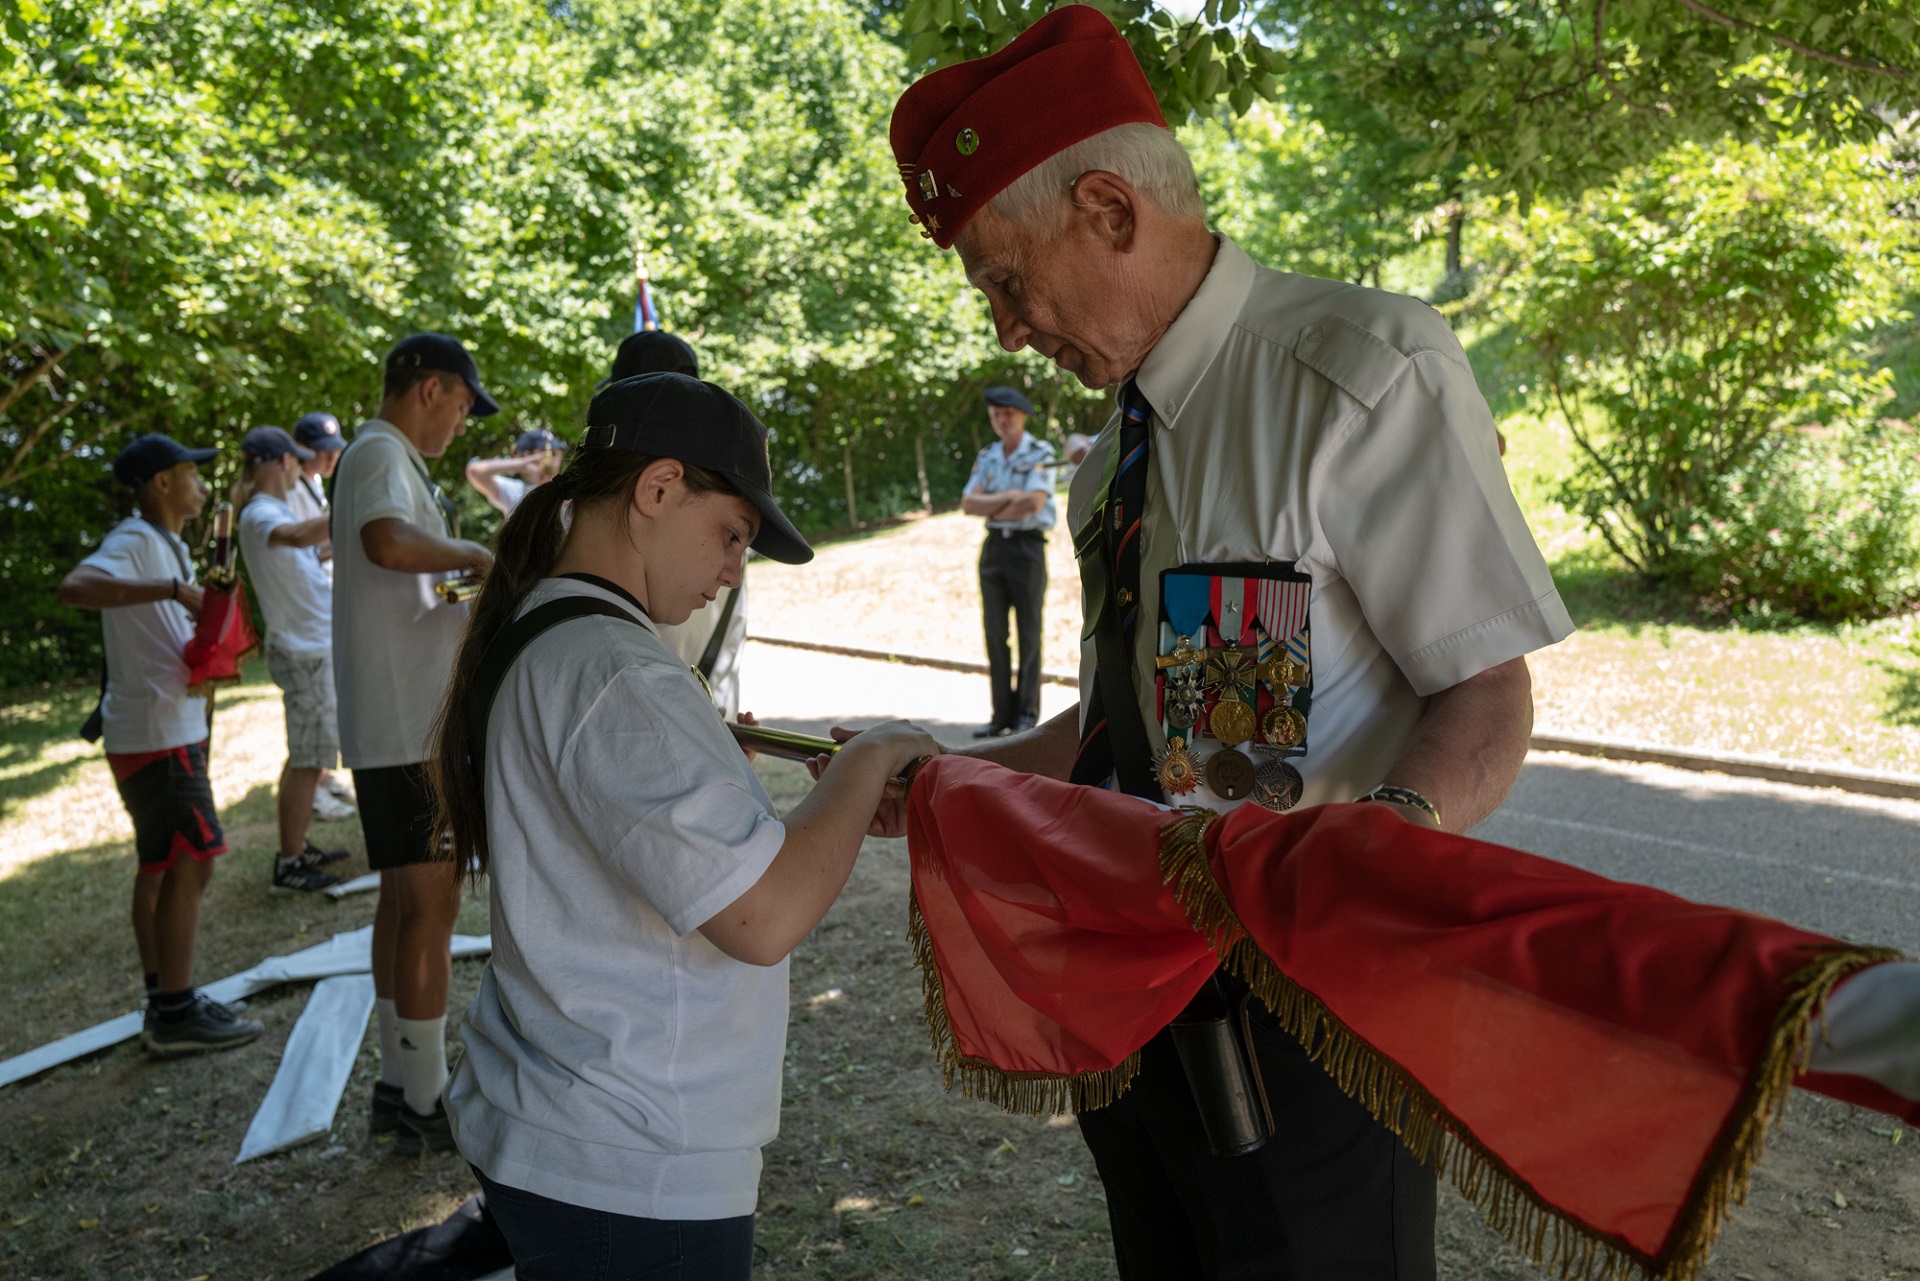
(313, 721)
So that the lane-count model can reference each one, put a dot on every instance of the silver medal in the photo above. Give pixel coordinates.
(1277, 785)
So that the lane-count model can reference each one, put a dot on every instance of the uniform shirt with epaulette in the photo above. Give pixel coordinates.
(1322, 465)
(1028, 467)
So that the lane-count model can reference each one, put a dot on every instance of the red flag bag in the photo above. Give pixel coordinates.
(223, 636)
(1594, 1064)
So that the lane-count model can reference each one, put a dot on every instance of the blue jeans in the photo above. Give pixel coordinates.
(554, 1241)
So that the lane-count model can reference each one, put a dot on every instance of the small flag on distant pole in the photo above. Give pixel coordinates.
(644, 314)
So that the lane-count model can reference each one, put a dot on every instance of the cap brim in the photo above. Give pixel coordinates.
(199, 455)
(301, 452)
(327, 445)
(484, 406)
(777, 539)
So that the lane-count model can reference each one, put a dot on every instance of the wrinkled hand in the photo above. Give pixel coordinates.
(748, 718)
(192, 597)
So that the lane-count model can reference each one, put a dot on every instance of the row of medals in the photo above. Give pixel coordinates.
(1273, 782)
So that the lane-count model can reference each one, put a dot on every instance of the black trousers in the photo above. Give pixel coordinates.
(1013, 576)
(554, 1241)
(1332, 1196)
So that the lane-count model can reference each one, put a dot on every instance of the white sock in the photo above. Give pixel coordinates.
(389, 1041)
(423, 1061)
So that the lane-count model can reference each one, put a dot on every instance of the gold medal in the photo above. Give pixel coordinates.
(1281, 673)
(1230, 775)
(1230, 670)
(1231, 722)
(1177, 774)
(1283, 726)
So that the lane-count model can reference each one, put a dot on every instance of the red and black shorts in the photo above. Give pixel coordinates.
(170, 798)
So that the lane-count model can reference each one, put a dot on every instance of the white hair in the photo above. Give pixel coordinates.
(1148, 157)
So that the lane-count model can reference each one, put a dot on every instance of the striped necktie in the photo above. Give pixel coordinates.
(1126, 504)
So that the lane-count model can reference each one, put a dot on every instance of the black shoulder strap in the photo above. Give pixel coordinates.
(710, 656)
(1113, 665)
(506, 647)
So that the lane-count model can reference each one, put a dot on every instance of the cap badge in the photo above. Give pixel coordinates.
(967, 142)
(929, 186)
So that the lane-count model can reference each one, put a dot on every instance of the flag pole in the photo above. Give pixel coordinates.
(644, 315)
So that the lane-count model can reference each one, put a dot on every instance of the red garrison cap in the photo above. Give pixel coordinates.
(967, 132)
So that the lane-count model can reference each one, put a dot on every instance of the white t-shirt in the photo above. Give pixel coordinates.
(689, 640)
(394, 640)
(1338, 428)
(147, 708)
(615, 1058)
(512, 489)
(295, 593)
(308, 499)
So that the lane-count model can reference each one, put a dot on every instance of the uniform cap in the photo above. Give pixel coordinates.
(147, 456)
(674, 416)
(264, 444)
(1008, 398)
(653, 351)
(537, 440)
(965, 133)
(319, 432)
(447, 356)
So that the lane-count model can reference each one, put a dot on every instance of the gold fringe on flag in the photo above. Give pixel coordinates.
(1547, 1236)
(1023, 1093)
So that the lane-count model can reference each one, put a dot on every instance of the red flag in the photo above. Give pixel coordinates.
(1595, 1064)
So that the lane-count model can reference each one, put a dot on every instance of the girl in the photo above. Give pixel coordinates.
(624, 1051)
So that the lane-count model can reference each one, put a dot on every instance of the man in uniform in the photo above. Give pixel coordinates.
(1308, 579)
(713, 640)
(141, 581)
(1012, 488)
(394, 644)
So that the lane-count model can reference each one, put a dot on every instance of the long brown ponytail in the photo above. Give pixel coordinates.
(525, 551)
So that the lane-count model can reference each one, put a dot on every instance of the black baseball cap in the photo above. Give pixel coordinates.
(653, 351)
(1008, 398)
(152, 454)
(674, 416)
(445, 355)
(537, 440)
(319, 432)
(264, 444)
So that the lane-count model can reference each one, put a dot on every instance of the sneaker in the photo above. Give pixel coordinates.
(208, 1025)
(329, 808)
(384, 1116)
(314, 854)
(429, 1133)
(302, 872)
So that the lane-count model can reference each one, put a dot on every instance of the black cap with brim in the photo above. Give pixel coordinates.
(319, 432)
(152, 454)
(444, 355)
(1009, 398)
(694, 422)
(652, 351)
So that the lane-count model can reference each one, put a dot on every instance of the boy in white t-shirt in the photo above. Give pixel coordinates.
(394, 642)
(141, 581)
(537, 456)
(320, 434)
(297, 598)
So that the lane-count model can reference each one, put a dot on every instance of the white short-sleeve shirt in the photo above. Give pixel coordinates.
(1338, 428)
(294, 591)
(616, 1059)
(147, 708)
(394, 640)
(308, 499)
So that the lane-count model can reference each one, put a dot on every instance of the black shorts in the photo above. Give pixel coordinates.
(170, 799)
(396, 814)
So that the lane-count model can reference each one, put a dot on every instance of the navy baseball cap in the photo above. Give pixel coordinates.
(537, 440)
(152, 454)
(1008, 398)
(443, 355)
(264, 444)
(674, 416)
(653, 351)
(319, 432)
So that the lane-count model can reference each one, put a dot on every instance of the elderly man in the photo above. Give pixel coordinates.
(1297, 512)
(1012, 488)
